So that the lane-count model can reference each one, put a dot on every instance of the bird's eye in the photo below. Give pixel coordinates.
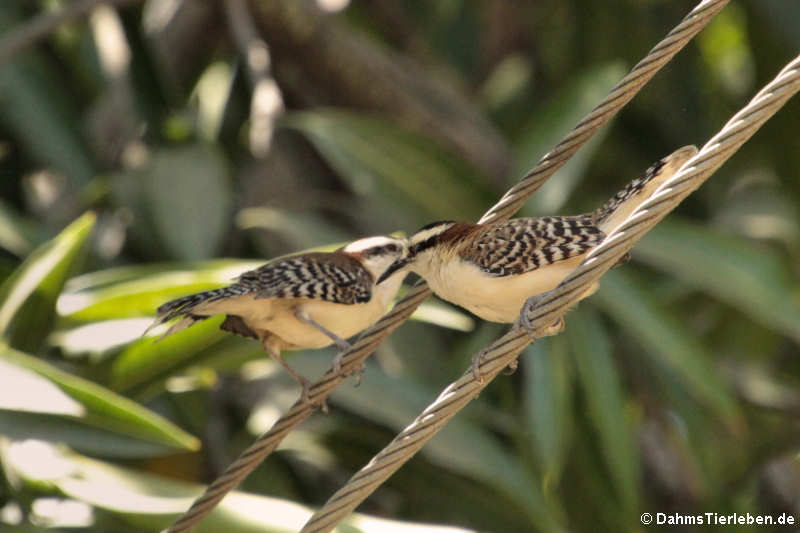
(381, 250)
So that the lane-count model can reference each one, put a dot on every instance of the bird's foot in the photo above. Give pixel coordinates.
(525, 323)
(305, 396)
(344, 347)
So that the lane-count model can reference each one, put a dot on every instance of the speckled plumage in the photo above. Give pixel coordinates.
(491, 269)
(635, 187)
(524, 244)
(336, 278)
(304, 301)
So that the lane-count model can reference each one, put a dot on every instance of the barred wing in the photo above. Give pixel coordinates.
(338, 279)
(524, 244)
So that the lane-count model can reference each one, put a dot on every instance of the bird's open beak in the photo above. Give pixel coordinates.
(394, 267)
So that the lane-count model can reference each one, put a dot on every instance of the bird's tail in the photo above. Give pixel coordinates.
(184, 307)
(622, 204)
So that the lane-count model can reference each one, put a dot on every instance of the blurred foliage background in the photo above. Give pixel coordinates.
(144, 147)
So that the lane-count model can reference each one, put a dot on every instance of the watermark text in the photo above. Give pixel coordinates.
(717, 519)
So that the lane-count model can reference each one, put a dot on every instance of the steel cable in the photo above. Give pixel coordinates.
(540, 312)
(353, 359)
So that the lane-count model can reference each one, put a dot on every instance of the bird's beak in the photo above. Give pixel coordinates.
(394, 267)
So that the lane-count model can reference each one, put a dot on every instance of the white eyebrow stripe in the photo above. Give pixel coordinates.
(367, 243)
(424, 235)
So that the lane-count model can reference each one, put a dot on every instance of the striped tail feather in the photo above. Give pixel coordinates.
(185, 322)
(183, 307)
(622, 204)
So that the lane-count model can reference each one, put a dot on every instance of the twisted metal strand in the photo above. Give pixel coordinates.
(319, 391)
(549, 306)
(620, 95)
(353, 359)
(541, 311)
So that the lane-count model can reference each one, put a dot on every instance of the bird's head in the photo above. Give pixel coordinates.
(377, 253)
(421, 247)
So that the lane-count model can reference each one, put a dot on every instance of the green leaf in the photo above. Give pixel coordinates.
(29, 295)
(85, 436)
(138, 291)
(153, 360)
(444, 315)
(16, 234)
(725, 47)
(150, 503)
(29, 386)
(591, 351)
(548, 413)
(302, 229)
(395, 166)
(667, 342)
(181, 197)
(98, 338)
(37, 110)
(749, 277)
(780, 16)
(550, 123)
(29, 109)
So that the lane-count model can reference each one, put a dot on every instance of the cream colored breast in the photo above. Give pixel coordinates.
(496, 299)
(347, 320)
(277, 316)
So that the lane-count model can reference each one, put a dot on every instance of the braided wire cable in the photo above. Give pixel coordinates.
(353, 359)
(540, 312)
(620, 95)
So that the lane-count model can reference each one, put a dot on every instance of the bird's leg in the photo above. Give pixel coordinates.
(337, 340)
(340, 343)
(274, 351)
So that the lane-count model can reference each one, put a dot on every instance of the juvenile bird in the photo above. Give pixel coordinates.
(308, 300)
(492, 269)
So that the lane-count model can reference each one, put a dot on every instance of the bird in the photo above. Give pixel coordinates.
(308, 300)
(492, 269)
